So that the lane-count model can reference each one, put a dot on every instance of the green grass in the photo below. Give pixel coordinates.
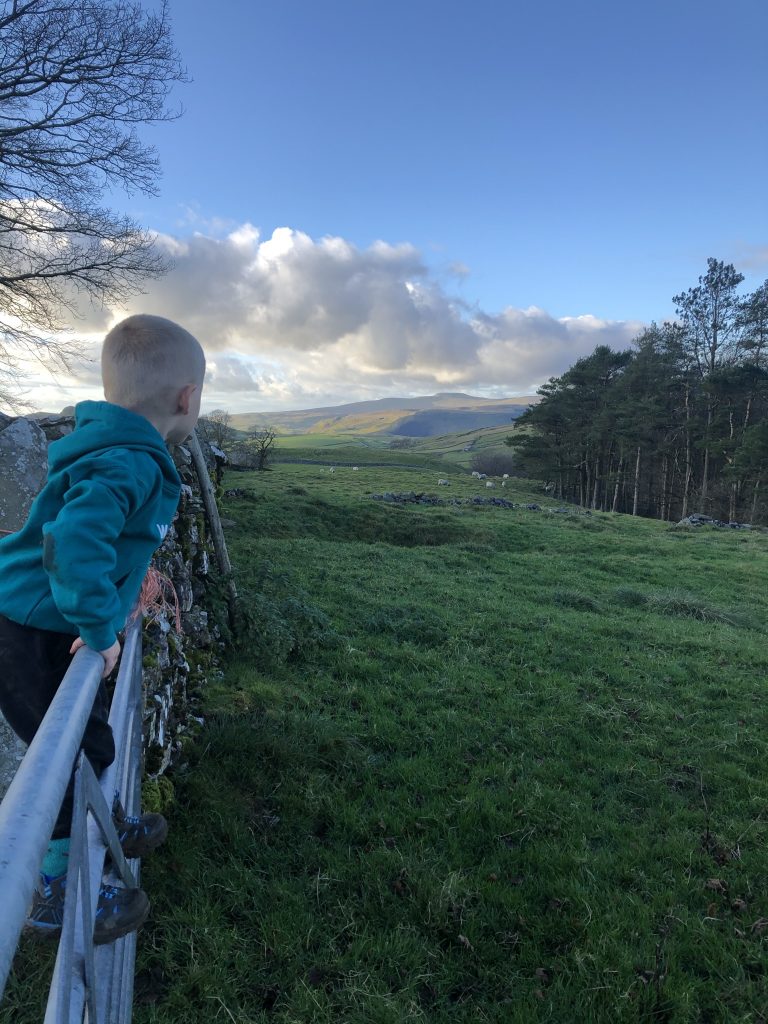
(527, 782)
(452, 447)
(356, 455)
(444, 451)
(318, 442)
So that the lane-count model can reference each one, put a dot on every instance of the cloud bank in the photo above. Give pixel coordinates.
(292, 321)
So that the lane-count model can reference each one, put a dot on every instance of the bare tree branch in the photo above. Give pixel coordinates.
(216, 427)
(257, 450)
(76, 79)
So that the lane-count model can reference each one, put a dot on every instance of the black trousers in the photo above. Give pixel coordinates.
(32, 664)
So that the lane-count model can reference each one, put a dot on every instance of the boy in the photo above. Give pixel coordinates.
(73, 572)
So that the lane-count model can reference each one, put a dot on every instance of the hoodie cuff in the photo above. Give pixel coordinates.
(99, 638)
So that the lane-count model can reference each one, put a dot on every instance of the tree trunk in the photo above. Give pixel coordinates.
(663, 503)
(688, 461)
(637, 483)
(673, 476)
(597, 484)
(705, 481)
(587, 484)
(618, 485)
(754, 500)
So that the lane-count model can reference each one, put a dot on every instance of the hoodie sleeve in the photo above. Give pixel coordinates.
(79, 545)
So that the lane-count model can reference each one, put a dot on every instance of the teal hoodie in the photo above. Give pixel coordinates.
(77, 564)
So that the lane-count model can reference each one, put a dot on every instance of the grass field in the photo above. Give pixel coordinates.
(477, 765)
(458, 449)
(454, 449)
(356, 455)
(320, 442)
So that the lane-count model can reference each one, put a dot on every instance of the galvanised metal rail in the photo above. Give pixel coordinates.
(93, 984)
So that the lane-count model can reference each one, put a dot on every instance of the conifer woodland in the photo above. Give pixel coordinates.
(676, 425)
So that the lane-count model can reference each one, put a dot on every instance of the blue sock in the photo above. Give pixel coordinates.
(56, 859)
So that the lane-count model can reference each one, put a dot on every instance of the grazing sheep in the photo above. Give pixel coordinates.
(505, 477)
(481, 476)
(475, 474)
(489, 483)
(355, 467)
(332, 469)
(443, 483)
(503, 483)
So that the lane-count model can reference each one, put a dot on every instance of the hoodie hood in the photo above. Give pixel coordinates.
(100, 426)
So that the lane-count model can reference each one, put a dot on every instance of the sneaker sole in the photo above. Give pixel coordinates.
(41, 932)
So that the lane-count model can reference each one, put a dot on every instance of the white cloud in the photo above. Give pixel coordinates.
(228, 373)
(530, 345)
(293, 321)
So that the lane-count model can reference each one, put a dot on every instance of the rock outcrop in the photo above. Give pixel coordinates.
(23, 469)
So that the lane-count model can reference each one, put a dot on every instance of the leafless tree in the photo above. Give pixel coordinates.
(216, 428)
(262, 442)
(255, 451)
(76, 79)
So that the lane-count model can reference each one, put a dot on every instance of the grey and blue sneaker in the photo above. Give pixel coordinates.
(140, 835)
(119, 911)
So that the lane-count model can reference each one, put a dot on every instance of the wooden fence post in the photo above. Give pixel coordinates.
(212, 511)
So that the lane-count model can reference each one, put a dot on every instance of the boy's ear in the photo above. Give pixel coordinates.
(185, 398)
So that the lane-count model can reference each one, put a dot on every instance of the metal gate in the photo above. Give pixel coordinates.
(90, 983)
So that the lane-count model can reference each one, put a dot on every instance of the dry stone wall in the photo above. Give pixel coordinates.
(177, 664)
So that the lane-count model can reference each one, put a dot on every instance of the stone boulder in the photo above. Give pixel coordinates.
(23, 469)
(55, 427)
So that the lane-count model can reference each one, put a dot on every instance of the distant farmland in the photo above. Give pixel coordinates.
(456, 449)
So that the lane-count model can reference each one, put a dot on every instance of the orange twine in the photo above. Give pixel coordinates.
(155, 598)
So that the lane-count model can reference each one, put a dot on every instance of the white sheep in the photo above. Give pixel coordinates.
(332, 469)
(355, 468)
(443, 483)
(505, 477)
(489, 483)
(475, 474)
(481, 476)
(503, 483)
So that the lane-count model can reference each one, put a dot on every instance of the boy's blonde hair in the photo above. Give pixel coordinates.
(146, 360)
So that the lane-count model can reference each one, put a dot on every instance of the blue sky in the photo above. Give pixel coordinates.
(583, 159)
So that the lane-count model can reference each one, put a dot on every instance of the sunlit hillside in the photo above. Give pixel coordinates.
(413, 417)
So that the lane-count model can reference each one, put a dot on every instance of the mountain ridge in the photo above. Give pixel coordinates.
(418, 416)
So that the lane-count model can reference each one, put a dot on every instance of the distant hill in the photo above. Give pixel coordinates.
(425, 416)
